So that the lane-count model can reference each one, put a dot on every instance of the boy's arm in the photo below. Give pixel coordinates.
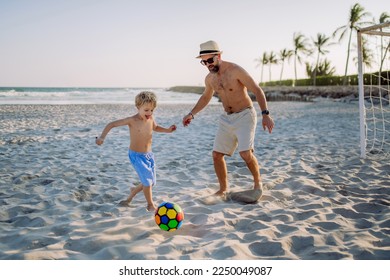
(158, 128)
(110, 126)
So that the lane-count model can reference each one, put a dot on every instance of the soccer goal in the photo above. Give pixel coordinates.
(374, 87)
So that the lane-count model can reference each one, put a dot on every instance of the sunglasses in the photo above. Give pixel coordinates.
(209, 61)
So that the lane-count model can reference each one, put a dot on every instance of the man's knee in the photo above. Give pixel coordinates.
(217, 156)
(247, 156)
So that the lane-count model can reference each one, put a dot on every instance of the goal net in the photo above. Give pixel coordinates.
(374, 87)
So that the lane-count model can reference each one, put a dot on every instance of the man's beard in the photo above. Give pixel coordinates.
(215, 69)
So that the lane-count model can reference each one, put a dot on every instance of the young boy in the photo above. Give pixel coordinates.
(141, 127)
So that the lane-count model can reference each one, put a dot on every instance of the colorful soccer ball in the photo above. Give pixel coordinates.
(169, 216)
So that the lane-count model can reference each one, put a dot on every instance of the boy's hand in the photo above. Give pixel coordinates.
(172, 128)
(99, 140)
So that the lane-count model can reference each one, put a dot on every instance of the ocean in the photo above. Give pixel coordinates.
(73, 95)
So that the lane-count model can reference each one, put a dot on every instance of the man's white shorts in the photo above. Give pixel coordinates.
(236, 130)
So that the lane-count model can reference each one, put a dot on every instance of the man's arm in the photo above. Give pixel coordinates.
(251, 85)
(202, 102)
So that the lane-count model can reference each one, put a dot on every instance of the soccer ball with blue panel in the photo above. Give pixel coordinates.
(169, 216)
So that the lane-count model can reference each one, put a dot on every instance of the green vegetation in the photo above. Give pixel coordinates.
(355, 21)
(352, 80)
(320, 81)
(187, 89)
(320, 72)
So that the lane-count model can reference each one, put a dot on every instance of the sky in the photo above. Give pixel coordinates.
(153, 43)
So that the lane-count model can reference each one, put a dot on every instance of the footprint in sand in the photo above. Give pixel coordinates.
(211, 199)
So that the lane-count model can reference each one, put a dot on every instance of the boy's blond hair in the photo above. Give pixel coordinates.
(145, 97)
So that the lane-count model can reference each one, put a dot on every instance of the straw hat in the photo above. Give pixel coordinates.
(209, 47)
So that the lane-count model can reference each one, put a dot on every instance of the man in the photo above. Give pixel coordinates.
(238, 124)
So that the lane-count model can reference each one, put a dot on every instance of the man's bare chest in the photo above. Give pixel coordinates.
(222, 84)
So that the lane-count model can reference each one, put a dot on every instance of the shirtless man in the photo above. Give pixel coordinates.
(238, 124)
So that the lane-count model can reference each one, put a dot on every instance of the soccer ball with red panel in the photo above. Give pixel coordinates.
(169, 216)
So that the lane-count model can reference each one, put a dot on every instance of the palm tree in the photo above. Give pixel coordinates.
(356, 15)
(384, 17)
(300, 47)
(320, 44)
(272, 59)
(261, 62)
(323, 68)
(283, 55)
(367, 54)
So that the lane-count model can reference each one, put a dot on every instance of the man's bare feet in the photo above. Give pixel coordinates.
(258, 186)
(220, 193)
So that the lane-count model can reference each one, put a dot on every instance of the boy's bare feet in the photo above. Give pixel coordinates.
(151, 207)
(133, 192)
(124, 203)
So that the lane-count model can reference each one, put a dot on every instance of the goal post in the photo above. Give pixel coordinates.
(373, 47)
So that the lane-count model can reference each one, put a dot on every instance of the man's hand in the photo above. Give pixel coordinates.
(187, 119)
(268, 123)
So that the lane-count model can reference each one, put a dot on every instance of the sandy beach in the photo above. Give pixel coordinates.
(59, 191)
